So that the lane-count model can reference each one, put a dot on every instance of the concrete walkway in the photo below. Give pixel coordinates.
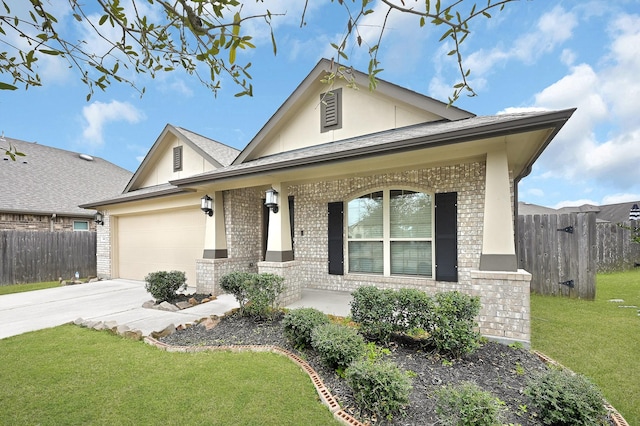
(121, 301)
(112, 300)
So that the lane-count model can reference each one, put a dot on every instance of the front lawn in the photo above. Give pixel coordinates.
(19, 288)
(71, 375)
(600, 339)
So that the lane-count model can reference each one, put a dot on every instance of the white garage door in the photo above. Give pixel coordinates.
(164, 241)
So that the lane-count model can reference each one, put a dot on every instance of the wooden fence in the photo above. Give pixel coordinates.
(560, 252)
(27, 256)
(564, 252)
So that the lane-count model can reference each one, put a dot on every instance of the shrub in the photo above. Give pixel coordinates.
(163, 285)
(467, 404)
(379, 387)
(373, 309)
(257, 294)
(381, 313)
(453, 331)
(298, 324)
(337, 345)
(564, 398)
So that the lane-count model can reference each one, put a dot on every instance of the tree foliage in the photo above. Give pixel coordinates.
(201, 37)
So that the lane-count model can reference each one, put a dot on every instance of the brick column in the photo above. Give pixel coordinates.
(288, 270)
(505, 315)
(103, 248)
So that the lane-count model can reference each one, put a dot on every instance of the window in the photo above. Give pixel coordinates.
(331, 110)
(80, 225)
(390, 232)
(177, 158)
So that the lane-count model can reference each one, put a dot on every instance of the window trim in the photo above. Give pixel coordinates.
(81, 230)
(386, 232)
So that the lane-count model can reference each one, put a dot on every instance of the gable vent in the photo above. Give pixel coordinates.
(177, 158)
(331, 110)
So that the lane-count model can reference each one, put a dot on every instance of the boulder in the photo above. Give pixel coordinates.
(168, 330)
(166, 306)
(183, 305)
(193, 301)
(149, 304)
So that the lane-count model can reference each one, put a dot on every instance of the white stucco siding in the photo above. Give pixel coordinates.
(161, 169)
(161, 241)
(363, 112)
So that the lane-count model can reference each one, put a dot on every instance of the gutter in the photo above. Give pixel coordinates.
(139, 197)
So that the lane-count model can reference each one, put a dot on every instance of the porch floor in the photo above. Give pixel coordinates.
(329, 302)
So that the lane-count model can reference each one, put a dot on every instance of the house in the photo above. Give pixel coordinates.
(606, 213)
(341, 188)
(42, 190)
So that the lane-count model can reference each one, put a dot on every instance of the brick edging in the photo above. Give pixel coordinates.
(325, 396)
(615, 416)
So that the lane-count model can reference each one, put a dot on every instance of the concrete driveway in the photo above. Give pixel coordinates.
(113, 300)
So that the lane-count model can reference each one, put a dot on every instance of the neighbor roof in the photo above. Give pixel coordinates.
(614, 213)
(49, 180)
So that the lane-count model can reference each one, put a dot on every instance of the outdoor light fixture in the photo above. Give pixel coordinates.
(99, 218)
(271, 200)
(206, 205)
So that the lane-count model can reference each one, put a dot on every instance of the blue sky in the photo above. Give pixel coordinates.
(535, 54)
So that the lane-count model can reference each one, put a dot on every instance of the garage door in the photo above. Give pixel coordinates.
(165, 241)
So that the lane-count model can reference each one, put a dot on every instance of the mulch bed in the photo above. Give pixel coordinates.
(502, 370)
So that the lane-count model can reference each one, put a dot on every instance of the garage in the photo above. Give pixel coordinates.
(159, 241)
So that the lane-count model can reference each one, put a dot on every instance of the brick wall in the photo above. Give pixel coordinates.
(34, 222)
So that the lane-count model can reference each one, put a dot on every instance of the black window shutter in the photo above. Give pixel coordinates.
(336, 242)
(447, 236)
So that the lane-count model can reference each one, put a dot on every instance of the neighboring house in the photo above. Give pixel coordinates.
(612, 213)
(42, 190)
(388, 188)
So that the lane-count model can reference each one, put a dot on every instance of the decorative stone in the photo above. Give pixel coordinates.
(168, 330)
(79, 321)
(166, 306)
(183, 305)
(99, 326)
(193, 301)
(121, 329)
(132, 334)
(111, 325)
(210, 322)
(149, 304)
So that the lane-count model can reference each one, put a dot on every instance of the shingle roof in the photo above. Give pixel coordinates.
(220, 152)
(614, 213)
(406, 138)
(50, 180)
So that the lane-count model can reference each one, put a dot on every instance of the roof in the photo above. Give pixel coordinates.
(214, 152)
(325, 66)
(50, 180)
(614, 213)
(409, 138)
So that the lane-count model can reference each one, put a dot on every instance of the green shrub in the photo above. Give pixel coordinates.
(257, 294)
(381, 313)
(337, 345)
(373, 309)
(467, 404)
(380, 387)
(454, 322)
(298, 324)
(564, 398)
(164, 285)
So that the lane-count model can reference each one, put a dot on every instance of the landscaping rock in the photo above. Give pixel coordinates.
(184, 305)
(121, 329)
(99, 326)
(166, 306)
(210, 322)
(132, 334)
(149, 304)
(79, 321)
(168, 330)
(111, 325)
(193, 301)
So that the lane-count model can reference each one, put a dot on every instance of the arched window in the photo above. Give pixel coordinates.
(390, 232)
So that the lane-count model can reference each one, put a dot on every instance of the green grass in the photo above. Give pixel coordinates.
(70, 375)
(597, 338)
(19, 288)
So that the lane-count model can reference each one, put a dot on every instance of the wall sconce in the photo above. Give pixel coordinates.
(98, 218)
(271, 200)
(206, 205)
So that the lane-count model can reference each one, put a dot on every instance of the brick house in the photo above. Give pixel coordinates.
(42, 190)
(340, 188)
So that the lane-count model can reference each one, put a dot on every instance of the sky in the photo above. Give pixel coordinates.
(533, 55)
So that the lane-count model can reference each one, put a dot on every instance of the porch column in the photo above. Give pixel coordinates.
(215, 239)
(279, 247)
(498, 240)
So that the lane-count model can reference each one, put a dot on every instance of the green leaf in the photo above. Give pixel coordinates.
(50, 52)
(103, 19)
(5, 86)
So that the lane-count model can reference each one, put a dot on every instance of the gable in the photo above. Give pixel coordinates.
(179, 153)
(301, 122)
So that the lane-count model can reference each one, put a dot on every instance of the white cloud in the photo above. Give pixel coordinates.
(98, 114)
(620, 198)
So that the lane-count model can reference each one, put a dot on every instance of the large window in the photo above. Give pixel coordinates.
(390, 233)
